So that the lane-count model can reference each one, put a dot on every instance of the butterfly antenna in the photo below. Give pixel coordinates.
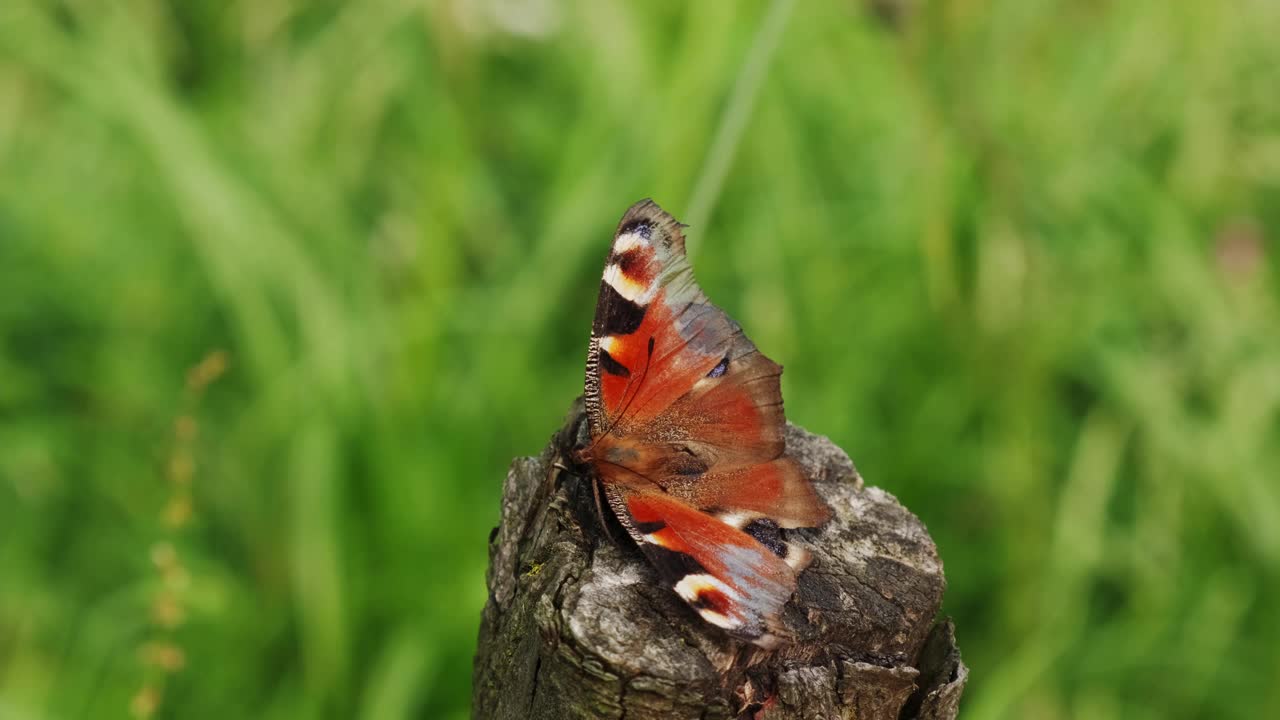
(627, 406)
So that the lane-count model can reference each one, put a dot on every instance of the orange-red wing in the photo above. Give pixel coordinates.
(729, 577)
(664, 363)
(655, 335)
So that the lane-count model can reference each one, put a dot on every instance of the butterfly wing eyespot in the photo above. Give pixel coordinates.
(686, 424)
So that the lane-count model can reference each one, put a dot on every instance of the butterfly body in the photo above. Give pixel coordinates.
(686, 435)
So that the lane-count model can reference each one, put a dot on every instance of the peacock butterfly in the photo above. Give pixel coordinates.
(685, 438)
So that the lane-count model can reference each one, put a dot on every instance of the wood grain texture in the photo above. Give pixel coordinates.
(576, 625)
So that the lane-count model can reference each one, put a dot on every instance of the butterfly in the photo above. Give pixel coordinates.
(686, 439)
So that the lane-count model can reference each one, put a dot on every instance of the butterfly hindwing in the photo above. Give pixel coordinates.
(686, 422)
(729, 577)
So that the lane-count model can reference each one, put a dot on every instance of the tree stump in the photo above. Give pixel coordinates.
(577, 626)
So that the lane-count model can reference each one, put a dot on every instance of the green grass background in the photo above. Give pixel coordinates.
(1017, 256)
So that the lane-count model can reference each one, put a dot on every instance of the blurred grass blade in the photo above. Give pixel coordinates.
(736, 114)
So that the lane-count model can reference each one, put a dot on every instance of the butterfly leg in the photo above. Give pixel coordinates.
(600, 517)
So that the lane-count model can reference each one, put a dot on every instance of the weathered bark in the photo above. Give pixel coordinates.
(577, 626)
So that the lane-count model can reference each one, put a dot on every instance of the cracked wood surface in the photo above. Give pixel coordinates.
(576, 625)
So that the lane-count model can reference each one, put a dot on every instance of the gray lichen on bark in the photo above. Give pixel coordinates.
(577, 625)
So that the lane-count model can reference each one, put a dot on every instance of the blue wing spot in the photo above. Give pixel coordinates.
(720, 369)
